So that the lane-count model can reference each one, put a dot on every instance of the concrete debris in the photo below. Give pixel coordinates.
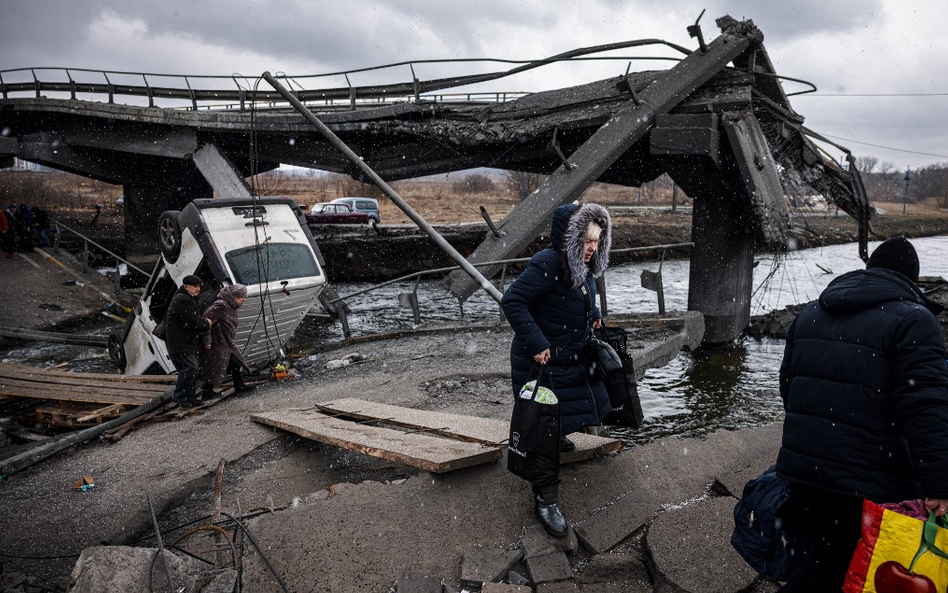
(124, 568)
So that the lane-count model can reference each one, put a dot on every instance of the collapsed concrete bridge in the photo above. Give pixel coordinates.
(718, 122)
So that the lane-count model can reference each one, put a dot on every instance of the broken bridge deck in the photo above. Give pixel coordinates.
(432, 441)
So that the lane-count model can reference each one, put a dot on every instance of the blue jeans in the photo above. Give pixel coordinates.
(187, 366)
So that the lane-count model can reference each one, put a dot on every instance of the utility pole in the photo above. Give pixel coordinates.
(908, 176)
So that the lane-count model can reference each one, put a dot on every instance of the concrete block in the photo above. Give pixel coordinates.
(560, 587)
(689, 549)
(605, 573)
(549, 568)
(607, 528)
(484, 565)
(537, 542)
(419, 585)
(504, 588)
(515, 578)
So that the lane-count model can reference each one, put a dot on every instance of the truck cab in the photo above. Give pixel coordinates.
(263, 243)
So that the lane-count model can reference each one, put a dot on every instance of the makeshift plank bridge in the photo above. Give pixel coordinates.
(432, 441)
(73, 399)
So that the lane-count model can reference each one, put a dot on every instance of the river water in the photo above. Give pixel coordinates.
(726, 387)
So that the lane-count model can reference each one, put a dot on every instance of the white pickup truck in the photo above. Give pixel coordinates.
(262, 242)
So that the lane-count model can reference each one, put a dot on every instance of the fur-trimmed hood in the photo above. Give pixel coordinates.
(568, 234)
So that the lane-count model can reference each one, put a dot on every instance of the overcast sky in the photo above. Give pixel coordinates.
(879, 65)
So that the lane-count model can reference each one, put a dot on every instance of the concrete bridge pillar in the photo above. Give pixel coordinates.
(694, 153)
(722, 266)
(145, 203)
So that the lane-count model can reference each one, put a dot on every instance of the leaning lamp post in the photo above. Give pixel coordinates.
(908, 175)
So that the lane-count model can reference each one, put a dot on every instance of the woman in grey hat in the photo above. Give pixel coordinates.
(220, 350)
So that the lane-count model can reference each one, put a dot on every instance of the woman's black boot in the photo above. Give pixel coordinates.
(546, 506)
(239, 385)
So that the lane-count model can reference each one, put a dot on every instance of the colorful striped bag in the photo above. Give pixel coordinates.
(898, 553)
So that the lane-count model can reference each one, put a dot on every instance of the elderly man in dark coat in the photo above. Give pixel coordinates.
(865, 388)
(184, 327)
(551, 308)
(220, 346)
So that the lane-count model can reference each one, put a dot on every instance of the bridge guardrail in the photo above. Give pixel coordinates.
(204, 91)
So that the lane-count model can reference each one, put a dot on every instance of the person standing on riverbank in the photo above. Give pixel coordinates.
(551, 308)
(220, 351)
(184, 327)
(865, 389)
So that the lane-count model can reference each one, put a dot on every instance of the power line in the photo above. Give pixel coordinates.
(941, 156)
(874, 95)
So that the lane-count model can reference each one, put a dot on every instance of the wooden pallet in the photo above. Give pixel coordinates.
(77, 414)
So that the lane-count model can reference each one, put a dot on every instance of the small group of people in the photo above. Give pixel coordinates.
(864, 381)
(19, 224)
(202, 345)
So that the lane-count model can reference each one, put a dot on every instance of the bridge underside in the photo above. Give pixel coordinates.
(718, 123)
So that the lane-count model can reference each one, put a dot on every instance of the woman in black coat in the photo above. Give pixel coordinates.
(551, 308)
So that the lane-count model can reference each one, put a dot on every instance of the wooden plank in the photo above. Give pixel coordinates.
(165, 379)
(72, 414)
(101, 413)
(487, 431)
(65, 385)
(98, 398)
(426, 452)
(80, 379)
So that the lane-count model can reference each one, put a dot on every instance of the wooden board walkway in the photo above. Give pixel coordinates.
(416, 449)
(458, 426)
(83, 397)
(432, 441)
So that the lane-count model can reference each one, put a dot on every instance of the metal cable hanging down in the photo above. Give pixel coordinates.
(386, 189)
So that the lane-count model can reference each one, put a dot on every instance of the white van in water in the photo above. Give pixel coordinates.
(263, 243)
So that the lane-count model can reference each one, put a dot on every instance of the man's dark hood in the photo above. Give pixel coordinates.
(863, 289)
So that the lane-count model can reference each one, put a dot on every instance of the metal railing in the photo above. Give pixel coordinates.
(86, 258)
(651, 281)
(236, 90)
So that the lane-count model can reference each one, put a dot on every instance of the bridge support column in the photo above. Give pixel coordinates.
(738, 205)
(144, 204)
(722, 267)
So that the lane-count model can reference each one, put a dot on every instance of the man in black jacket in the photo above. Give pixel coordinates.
(865, 388)
(184, 327)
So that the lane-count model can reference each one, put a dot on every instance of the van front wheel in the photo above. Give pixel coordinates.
(169, 235)
(117, 351)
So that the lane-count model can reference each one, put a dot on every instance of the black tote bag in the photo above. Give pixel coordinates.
(533, 448)
(620, 383)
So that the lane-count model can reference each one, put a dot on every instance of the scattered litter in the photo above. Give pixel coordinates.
(50, 307)
(278, 372)
(345, 360)
(73, 283)
(84, 483)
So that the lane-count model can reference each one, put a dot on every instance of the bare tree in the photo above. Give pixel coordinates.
(866, 164)
(475, 183)
(522, 184)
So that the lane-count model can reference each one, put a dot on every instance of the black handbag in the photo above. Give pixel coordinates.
(609, 356)
(533, 448)
(618, 375)
(159, 331)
